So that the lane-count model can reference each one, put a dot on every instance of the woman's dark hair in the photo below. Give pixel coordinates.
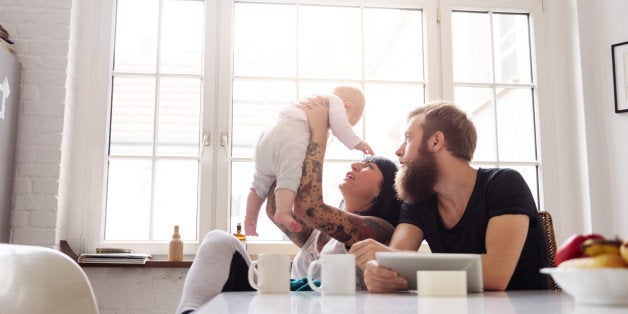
(386, 206)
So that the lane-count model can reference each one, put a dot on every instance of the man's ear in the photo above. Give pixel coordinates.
(348, 105)
(436, 142)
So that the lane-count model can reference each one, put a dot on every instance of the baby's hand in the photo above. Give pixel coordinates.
(365, 148)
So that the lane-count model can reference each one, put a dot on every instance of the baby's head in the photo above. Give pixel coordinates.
(353, 100)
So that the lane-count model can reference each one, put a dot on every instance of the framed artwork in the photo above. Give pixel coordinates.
(620, 76)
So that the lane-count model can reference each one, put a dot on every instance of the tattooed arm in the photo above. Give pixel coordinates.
(345, 227)
(297, 238)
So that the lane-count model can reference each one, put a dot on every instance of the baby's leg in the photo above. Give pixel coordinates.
(253, 205)
(283, 215)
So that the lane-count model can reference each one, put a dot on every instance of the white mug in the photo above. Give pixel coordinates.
(337, 274)
(273, 273)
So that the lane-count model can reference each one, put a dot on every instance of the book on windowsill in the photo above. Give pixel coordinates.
(114, 258)
(5, 41)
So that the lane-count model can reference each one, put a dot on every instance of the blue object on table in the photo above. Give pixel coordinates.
(301, 284)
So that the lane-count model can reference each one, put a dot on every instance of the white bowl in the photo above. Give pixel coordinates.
(607, 286)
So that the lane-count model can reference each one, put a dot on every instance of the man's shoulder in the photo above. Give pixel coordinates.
(504, 181)
(492, 174)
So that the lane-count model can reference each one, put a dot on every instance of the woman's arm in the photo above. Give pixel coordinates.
(309, 206)
(298, 238)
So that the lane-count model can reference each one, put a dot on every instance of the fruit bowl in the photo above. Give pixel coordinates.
(603, 286)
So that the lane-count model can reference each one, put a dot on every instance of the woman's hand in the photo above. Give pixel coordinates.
(382, 279)
(317, 112)
(365, 251)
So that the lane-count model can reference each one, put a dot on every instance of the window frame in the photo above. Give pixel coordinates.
(542, 110)
(214, 198)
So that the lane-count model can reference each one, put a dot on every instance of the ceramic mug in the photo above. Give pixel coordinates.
(337, 274)
(272, 272)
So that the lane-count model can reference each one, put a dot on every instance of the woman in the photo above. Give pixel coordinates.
(370, 210)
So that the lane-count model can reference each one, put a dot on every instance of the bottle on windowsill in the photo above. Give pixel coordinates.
(176, 246)
(240, 235)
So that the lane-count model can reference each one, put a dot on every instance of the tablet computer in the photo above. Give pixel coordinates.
(406, 264)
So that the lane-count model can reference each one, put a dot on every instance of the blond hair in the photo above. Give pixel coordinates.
(459, 131)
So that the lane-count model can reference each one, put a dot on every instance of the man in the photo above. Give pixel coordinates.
(458, 209)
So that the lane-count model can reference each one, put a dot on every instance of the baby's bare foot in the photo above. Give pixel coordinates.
(250, 228)
(287, 221)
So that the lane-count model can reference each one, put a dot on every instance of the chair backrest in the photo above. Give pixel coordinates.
(35, 279)
(550, 238)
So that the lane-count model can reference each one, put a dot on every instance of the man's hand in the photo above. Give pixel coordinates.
(382, 279)
(365, 251)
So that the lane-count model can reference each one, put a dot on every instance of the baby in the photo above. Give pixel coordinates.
(281, 149)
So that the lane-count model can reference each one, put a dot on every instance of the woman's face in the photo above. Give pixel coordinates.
(363, 182)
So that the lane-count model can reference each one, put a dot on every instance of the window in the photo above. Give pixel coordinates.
(493, 83)
(154, 147)
(282, 52)
(192, 83)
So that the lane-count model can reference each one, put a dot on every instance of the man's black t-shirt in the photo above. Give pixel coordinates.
(497, 192)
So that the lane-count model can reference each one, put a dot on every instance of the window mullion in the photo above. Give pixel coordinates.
(493, 88)
(151, 231)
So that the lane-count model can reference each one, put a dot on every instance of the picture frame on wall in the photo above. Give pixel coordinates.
(620, 76)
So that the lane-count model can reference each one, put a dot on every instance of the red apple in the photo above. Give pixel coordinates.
(571, 247)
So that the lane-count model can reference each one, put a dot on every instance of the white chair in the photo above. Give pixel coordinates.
(35, 279)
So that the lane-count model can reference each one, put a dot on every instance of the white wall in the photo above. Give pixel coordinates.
(41, 31)
(601, 24)
(136, 290)
(562, 123)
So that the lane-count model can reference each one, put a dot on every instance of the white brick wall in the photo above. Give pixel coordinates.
(137, 290)
(41, 31)
(46, 35)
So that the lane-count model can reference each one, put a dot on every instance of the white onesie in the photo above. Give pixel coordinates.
(281, 148)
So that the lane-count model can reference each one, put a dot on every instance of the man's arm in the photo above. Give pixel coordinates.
(407, 237)
(505, 237)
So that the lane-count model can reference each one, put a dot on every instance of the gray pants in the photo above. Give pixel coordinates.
(221, 264)
(279, 156)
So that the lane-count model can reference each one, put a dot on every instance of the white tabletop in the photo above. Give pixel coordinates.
(535, 302)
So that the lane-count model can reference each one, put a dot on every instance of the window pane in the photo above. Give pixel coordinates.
(264, 40)
(393, 44)
(132, 116)
(330, 52)
(471, 47)
(386, 112)
(512, 48)
(256, 105)
(136, 45)
(330, 42)
(477, 103)
(128, 200)
(515, 124)
(182, 37)
(179, 116)
(176, 198)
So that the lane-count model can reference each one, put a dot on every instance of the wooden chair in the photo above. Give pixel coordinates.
(550, 237)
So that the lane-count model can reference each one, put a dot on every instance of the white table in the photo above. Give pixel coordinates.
(535, 302)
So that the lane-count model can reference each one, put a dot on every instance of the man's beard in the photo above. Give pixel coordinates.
(415, 181)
